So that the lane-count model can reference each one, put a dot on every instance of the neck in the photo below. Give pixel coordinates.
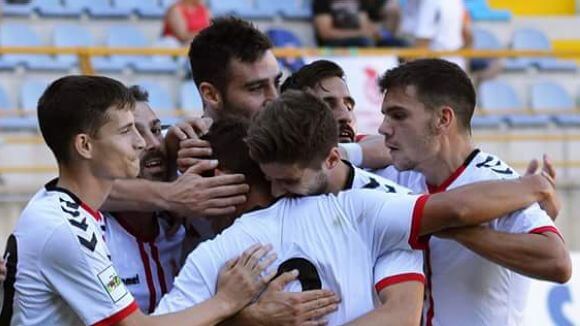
(258, 196)
(338, 178)
(81, 182)
(453, 151)
(143, 225)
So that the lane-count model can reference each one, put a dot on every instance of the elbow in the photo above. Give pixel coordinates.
(562, 269)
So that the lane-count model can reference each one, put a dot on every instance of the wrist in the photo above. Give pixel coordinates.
(224, 307)
(162, 197)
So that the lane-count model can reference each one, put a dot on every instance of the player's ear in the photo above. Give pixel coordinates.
(82, 146)
(445, 117)
(333, 158)
(210, 95)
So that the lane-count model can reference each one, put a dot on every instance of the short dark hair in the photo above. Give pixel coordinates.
(227, 139)
(311, 74)
(212, 50)
(298, 127)
(438, 82)
(139, 93)
(78, 104)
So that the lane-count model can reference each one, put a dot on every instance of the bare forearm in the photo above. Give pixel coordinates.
(246, 316)
(481, 202)
(402, 304)
(541, 256)
(375, 154)
(138, 195)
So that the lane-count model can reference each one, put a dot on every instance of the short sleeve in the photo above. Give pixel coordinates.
(398, 266)
(85, 278)
(427, 19)
(386, 221)
(530, 220)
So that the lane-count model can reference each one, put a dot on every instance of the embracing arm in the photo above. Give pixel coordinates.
(539, 255)
(402, 304)
(481, 202)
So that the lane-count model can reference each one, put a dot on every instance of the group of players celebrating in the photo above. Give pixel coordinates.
(271, 209)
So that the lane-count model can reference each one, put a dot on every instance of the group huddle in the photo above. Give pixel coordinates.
(272, 209)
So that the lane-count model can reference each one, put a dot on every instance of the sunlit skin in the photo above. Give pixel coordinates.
(154, 157)
(250, 86)
(292, 179)
(407, 128)
(118, 146)
(334, 91)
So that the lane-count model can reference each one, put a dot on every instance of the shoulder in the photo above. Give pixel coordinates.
(489, 167)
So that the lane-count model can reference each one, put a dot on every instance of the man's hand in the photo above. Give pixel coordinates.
(192, 195)
(191, 128)
(240, 280)
(276, 307)
(192, 151)
(553, 204)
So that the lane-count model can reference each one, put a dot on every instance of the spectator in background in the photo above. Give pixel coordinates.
(385, 15)
(185, 19)
(436, 25)
(342, 23)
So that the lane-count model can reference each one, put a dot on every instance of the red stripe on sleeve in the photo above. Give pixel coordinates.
(119, 316)
(544, 229)
(395, 279)
(415, 241)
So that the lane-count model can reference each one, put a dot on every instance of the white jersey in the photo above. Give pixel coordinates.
(387, 273)
(61, 268)
(333, 241)
(146, 266)
(466, 289)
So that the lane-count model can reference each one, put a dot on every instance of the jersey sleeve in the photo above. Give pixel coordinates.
(386, 221)
(397, 266)
(85, 278)
(427, 18)
(198, 278)
(530, 220)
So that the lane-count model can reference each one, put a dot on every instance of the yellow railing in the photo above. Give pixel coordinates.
(85, 53)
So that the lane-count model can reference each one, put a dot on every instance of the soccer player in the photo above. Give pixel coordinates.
(236, 73)
(144, 249)
(59, 270)
(476, 275)
(326, 80)
(335, 240)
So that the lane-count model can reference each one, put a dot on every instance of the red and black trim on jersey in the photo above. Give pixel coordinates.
(51, 186)
(142, 242)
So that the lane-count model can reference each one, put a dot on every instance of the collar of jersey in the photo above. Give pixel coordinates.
(350, 177)
(51, 186)
(443, 186)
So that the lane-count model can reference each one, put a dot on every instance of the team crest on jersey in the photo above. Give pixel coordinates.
(112, 283)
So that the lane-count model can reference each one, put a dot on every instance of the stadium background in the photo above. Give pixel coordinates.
(531, 108)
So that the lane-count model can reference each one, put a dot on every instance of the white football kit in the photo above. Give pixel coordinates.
(464, 288)
(146, 266)
(334, 241)
(60, 267)
(385, 272)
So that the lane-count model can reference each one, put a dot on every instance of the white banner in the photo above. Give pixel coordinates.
(362, 75)
(555, 304)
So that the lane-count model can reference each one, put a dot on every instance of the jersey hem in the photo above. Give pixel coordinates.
(120, 315)
(400, 278)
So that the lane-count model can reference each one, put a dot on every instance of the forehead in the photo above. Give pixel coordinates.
(402, 97)
(265, 67)
(331, 86)
(144, 114)
(117, 117)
